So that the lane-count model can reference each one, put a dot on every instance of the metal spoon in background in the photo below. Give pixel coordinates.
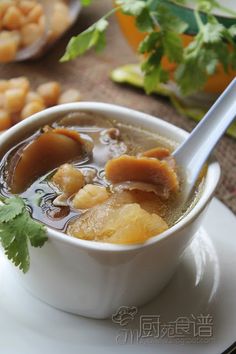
(192, 154)
(44, 43)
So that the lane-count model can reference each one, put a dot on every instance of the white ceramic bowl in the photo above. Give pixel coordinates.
(94, 279)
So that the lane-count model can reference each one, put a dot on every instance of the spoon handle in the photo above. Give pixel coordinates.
(193, 153)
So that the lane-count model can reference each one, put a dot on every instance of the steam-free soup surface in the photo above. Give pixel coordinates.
(96, 179)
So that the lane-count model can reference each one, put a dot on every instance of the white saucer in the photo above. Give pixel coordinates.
(204, 284)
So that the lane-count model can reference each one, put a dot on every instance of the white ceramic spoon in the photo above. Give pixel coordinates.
(191, 155)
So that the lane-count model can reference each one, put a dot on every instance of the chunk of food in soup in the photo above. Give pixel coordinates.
(68, 179)
(89, 196)
(143, 169)
(46, 152)
(96, 179)
(117, 223)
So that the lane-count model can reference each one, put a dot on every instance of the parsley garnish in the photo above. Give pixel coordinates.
(17, 230)
(214, 43)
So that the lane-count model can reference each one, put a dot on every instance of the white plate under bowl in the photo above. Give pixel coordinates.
(203, 287)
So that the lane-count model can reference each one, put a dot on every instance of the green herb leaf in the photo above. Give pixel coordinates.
(17, 230)
(154, 74)
(11, 209)
(150, 42)
(35, 231)
(232, 31)
(205, 5)
(168, 21)
(212, 32)
(94, 36)
(232, 59)
(131, 7)
(191, 76)
(144, 21)
(173, 47)
(153, 78)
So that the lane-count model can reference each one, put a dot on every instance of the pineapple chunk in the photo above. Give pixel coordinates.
(143, 169)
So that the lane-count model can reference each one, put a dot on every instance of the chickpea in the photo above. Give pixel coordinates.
(4, 5)
(90, 196)
(60, 20)
(50, 92)
(5, 120)
(41, 23)
(30, 33)
(14, 100)
(35, 13)
(33, 96)
(26, 6)
(19, 102)
(32, 108)
(71, 95)
(68, 179)
(15, 35)
(8, 48)
(20, 82)
(12, 18)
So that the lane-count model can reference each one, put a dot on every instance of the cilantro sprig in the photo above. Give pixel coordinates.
(18, 230)
(214, 43)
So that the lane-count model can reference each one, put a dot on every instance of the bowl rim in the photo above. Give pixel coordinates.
(212, 176)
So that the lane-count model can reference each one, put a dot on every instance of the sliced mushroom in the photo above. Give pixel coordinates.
(143, 169)
(158, 152)
(46, 152)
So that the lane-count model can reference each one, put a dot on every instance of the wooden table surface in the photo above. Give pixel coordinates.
(90, 74)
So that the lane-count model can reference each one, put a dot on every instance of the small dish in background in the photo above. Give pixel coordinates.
(30, 27)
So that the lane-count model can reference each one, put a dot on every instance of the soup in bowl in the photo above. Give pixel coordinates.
(103, 181)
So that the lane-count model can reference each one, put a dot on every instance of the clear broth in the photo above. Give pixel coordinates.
(40, 194)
